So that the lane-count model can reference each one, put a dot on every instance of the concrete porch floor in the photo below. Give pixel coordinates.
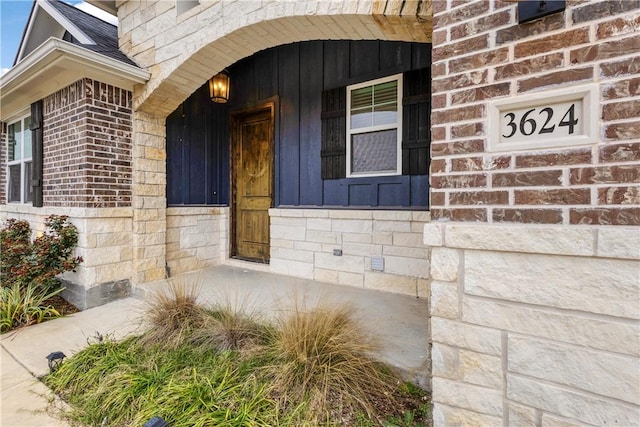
(399, 323)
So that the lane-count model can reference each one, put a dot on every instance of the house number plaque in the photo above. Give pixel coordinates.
(543, 120)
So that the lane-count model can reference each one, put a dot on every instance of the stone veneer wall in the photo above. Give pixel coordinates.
(104, 243)
(535, 325)
(87, 176)
(87, 146)
(196, 237)
(535, 322)
(481, 53)
(303, 240)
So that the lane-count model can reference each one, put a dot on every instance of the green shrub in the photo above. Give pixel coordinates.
(25, 305)
(40, 261)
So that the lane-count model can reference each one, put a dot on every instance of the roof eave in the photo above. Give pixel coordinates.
(56, 64)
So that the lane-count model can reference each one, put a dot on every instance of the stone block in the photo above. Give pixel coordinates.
(404, 216)
(113, 272)
(406, 252)
(323, 237)
(113, 239)
(390, 283)
(319, 224)
(444, 264)
(393, 226)
(287, 232)
(356, 237)
(351, 226)
(328, 276)
(477, 399)
(619, 242)
(195, 240)
(350, 214)
(585, 408)
(481, 369)
(607, 286)
(445, 361)
(553, 421)
(292, 254)
(307, 246)
(557, 240)
(292, 268)
(520, 415)
(444, 415)
(382, 238)
(297, 222)
(593, 332)
(464, 335)
(433, 234)
(401, 266)
(421, 216)
(444, 300)
(363, 249)
(348, 263)
(412, 240)
(282, 243)
(599, 372)
(424, 288)
(101, 256)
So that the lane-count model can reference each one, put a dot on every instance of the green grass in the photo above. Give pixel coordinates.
(223, 367)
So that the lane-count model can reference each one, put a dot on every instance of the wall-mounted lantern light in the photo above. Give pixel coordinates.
(219, 87)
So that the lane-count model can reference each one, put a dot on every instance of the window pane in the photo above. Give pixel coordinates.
(362, 97)
(14, 183)
(374, 152)
(385, 92)
(15, 141)
(361, 118)
(27, 138)
(28, 190)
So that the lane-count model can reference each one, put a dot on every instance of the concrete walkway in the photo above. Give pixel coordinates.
(399, 322)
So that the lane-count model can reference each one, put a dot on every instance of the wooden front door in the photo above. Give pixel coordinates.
(252, 139)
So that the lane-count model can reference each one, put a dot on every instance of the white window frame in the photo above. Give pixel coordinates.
(397, 126)
(21, 161)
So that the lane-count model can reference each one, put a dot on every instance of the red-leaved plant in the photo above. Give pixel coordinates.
(38, 262)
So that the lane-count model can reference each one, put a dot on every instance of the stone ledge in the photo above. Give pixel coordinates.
(582, 241)
(197, 210)
(70, 212)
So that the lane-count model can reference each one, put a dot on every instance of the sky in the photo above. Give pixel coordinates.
(13, 19)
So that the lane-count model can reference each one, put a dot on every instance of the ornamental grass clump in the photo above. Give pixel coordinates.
(174, 314)
(229, 327)
(322, 361)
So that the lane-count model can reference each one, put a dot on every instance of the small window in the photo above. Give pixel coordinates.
(19, 162)
(374, 127)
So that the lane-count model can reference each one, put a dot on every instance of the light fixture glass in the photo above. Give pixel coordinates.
(219, 87)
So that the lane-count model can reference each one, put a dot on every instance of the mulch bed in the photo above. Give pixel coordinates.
(63, 306)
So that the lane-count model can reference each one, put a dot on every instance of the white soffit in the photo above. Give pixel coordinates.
(56, 64)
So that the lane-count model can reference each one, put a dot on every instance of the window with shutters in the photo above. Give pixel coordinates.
(19, 161)
(374, 127)
(388, 131)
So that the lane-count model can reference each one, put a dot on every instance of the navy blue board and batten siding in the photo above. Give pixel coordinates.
(297, 75)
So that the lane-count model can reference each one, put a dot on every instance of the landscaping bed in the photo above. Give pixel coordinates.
(223, 366)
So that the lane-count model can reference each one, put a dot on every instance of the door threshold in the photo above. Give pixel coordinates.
(247, 264)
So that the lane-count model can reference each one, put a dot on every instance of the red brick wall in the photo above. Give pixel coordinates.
(480, 53)
(87, 146)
